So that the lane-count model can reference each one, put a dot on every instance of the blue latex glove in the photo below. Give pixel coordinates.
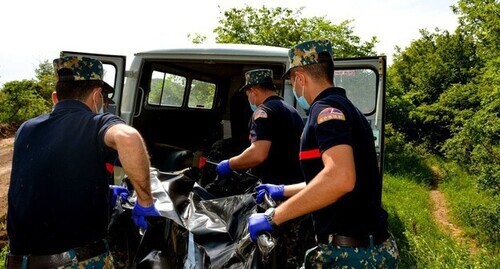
(223, 168)
(277, 192)
(258, 224)
(118, 191)
(139, 213)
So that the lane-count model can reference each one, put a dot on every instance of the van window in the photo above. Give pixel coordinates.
(166, 89)
(360, 86)
(201, 95)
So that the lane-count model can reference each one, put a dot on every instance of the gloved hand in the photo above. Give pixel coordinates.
(277, 192)
(118, 191)
(139, 213)
(258, 224)
(223, 168)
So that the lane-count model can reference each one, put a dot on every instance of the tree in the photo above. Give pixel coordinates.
(20, 101)
(480, 19)
(46, 79)
(283, 27)
(418, 78)
(444, 91)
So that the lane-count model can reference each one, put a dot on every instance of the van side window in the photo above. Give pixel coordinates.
(201, 95)
(166, 89)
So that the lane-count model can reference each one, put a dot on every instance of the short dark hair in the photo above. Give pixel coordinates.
(319, 71)
(265, 87)
(77, 90)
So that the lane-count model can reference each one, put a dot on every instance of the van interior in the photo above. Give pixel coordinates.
(194, 108)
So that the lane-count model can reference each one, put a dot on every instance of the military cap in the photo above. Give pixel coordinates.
(263, 77)
(77, 68)
(309, 52)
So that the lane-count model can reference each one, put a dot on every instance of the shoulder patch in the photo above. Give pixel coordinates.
(259, 113)
(330, 113)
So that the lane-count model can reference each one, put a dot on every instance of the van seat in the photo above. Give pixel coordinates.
(167, 158)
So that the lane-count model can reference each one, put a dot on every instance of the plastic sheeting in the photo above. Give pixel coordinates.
(197, 230)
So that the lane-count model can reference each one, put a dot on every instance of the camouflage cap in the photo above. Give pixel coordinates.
(262, 77)
(309, 52)
(76, 68)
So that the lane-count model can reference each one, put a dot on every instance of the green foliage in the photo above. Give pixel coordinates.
(403, 159)
(283, 27)
(417, 79)
(21, 100)
(197, 38)
(476, 142)
(46, 79)
(3, 255)
(444, 91)
(479, 18)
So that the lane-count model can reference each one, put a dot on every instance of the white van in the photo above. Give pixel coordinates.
(185, 99)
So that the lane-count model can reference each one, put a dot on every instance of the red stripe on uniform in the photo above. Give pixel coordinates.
(110, 168)
(309, 154)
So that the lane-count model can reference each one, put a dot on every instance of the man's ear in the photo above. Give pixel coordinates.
(55, 100)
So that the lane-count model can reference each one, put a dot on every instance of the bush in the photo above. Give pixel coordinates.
(20, 101)
(404, 159)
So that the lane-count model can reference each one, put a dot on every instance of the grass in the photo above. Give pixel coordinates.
(421, 242)
(477, 212)
(3, 254)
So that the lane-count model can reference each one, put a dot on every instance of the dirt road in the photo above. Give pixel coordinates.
(6, 150)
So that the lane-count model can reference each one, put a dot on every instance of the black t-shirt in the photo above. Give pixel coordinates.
(334, 120)
(280, 123)
(58, 196)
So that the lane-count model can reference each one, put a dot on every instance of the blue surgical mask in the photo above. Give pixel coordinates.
(252, 106)
(101, 110)
(300, 100)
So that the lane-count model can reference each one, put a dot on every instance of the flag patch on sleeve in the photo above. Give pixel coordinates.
(259, 114)
(330, 113)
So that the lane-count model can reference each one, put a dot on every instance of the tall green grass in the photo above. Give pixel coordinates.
(476, 211)
(3, 255)
(422, 244)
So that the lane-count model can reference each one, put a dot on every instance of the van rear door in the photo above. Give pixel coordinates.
(114, 74)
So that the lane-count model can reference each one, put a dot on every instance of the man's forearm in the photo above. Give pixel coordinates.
(291, 190)
(135, 161)
(323, 190)
(244, 161)
(251, 156)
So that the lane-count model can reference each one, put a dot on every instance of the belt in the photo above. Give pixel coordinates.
(66, 258)
(357, 241)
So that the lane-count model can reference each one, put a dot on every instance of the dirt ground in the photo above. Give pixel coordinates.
(6, 150)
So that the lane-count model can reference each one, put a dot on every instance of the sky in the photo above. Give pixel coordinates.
(33, 31)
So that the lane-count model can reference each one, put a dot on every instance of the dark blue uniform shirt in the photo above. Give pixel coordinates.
(280, 123)
(334, 120)
(58, 196)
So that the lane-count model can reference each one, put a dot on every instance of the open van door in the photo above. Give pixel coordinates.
(114, 74)
(364, 80)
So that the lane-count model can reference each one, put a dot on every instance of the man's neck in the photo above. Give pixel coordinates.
(317, 89)
(266, 95)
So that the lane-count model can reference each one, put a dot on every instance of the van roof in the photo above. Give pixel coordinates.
(220, 49)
